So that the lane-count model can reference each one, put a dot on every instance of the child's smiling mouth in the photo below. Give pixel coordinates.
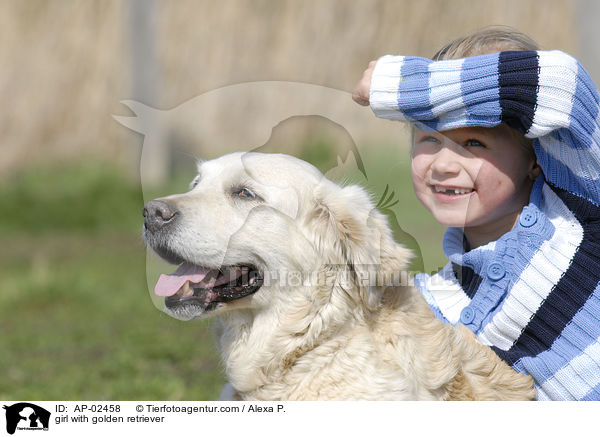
(448, 193)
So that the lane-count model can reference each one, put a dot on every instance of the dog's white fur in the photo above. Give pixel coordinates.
(317, 330)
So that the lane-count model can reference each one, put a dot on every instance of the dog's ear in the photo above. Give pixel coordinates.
(348, 231)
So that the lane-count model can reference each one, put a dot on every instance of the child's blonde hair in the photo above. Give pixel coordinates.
(489, 39)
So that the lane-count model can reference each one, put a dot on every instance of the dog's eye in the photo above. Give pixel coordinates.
(244, 193)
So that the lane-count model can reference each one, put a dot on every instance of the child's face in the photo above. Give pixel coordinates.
(476, 178)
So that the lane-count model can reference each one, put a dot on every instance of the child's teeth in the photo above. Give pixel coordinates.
(452, 190)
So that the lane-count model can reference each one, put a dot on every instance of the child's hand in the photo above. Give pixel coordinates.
(361, 92)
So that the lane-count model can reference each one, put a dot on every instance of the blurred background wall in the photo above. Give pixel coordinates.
(67, 64)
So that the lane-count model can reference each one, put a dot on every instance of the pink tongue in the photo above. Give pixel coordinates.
(168, 285)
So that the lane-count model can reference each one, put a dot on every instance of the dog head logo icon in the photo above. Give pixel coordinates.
(26, 416)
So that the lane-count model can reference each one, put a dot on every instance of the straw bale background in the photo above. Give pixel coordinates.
(66, 65)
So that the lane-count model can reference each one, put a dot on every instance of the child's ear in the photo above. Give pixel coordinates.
(534, 170)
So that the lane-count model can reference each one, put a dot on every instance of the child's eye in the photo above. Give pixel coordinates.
(474, 143)
(429, 139)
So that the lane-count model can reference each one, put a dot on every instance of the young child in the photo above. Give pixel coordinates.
(524, 228)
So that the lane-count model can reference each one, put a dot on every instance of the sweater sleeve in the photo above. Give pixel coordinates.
(545, 95)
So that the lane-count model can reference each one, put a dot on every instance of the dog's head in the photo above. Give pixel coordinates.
(256, 226)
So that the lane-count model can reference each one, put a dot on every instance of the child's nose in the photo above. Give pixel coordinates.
(446, 161)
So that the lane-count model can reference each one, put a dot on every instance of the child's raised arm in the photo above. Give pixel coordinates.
(546, 95)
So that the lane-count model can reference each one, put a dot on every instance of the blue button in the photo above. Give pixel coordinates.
(496, 271)
(528, 217)
(467, 315)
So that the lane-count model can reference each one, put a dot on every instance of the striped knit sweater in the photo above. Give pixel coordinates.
(534, 294)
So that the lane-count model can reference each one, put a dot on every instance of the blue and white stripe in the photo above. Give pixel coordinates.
(445, 97)
(558, 371)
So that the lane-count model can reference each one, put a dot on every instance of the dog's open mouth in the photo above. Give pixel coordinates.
(205, 288)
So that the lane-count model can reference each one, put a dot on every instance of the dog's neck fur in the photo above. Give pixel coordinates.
(250, 354)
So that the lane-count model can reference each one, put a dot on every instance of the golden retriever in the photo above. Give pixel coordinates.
(302, 277)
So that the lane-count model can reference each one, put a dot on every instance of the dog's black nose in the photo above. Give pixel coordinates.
(157, 214)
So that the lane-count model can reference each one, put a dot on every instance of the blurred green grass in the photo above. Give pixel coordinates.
(76, 318)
